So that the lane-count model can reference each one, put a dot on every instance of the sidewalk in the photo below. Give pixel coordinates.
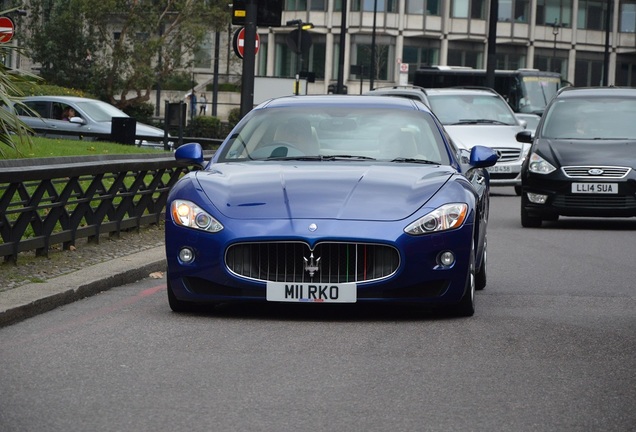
(130, 264)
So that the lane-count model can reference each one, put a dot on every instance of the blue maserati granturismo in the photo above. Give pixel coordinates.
(331, 199)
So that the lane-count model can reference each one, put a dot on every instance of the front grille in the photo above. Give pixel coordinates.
(606, 172)
(599, 202)
(331, 262)
(508, 154)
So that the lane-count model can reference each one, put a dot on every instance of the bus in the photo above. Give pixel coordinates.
(526, 90)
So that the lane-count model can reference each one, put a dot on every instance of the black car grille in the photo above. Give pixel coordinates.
(331, 262)
(508, 154)
(605, 172)
(595, 202)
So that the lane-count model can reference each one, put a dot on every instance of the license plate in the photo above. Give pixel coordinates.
(595, 188)
(500, 169)
(311, 292)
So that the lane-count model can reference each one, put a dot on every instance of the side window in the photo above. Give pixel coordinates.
(58, 111)
(41, 108)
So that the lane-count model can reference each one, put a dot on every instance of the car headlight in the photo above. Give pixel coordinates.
(188, 214)
(538, 165)
(447, 217)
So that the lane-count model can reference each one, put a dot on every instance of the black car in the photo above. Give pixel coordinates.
(583, 157)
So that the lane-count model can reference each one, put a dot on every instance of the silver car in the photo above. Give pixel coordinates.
(482, 117)
(92, 119)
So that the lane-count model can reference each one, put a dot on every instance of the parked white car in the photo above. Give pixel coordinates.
(482, 117)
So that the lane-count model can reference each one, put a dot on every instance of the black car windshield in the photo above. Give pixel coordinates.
(593, 118)
(343, 134)
(454, 109)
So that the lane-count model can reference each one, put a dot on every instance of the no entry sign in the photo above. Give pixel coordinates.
(7, 29)
(239, 42)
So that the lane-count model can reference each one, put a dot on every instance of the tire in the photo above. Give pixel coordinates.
(528, 221)
(466, 306)
(518, 190)
(481, 277)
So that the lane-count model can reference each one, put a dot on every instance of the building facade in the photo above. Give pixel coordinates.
(568, 36)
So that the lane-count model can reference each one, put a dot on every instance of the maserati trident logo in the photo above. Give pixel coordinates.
(312, 265)
(595, 171)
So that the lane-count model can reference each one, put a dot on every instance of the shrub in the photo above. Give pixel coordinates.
(142, 112)
(203, 126)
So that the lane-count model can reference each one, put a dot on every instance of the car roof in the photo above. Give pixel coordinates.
(575, 92)
(368, 101)
(462, 91)
(55, 98)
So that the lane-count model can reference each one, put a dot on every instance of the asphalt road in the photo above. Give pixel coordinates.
(552, 347)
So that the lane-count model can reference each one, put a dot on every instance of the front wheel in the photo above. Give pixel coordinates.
(528, 221)
(481, 277)
(466, 306)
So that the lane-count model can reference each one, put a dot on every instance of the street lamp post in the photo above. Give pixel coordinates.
(555, 32)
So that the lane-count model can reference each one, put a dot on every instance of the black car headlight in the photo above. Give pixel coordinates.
(188, 214)
(447, 217)
(538, 165)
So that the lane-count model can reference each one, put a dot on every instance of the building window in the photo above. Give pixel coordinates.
(384, 50)
(510, 58)
(627, 19)
(203, 54)
(296, 5)
(466, 54)
(370, 5)
(550, 60)
(419, 53)
(554, 11)
(592, 14)
(423, 7)
(514, 10)
(588, 72)
(469, 8)
(286, 61)
(625, 72)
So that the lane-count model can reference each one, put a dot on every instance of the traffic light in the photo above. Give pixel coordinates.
(268, 13)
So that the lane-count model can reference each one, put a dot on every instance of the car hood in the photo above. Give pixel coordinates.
(589, 152)
(494, 136)
(347, 191)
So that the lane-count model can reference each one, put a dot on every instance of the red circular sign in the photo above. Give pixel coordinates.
(6, 29)
(239, 42)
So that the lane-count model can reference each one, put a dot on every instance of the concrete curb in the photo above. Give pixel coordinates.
(33, 299)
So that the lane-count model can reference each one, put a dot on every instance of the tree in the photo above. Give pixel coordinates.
(10, 124)
(112, 48)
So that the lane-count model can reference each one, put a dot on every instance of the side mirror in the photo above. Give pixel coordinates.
(482, 156)
(190, 154)
(77, 120)
(525, 136)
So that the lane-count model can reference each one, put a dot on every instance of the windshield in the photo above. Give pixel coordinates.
(594, 118)
(537, 91)
(454, 109)
(100, 111)
(337, 133)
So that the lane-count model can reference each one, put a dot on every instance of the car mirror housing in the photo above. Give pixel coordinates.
(190, 154)
(77, 120)
(525, 136)
(482, 156)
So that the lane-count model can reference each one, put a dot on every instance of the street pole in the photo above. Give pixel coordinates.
(249, 58)
(491, 63)
(341, 54)
(299, 51)
(372, 68)
(607, 44)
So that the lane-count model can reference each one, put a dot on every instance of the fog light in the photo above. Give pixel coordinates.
(186, 255)
(447, 258)
(537, 198)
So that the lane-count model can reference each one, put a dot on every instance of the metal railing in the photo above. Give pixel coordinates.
(49, 201)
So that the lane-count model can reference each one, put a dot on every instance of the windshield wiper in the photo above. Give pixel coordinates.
(479, 121)
(349, 157)
(320, 158)
(413, 160)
